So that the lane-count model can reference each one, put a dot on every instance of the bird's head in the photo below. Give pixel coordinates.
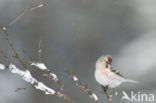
(104, 61)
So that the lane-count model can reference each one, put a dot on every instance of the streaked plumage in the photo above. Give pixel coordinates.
(106, 75)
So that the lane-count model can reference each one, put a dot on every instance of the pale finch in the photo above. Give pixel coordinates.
(106, 76)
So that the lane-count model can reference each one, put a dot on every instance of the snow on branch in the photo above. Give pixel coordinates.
(39, 65)
(50, 74)
(26, 76)
(2, 67)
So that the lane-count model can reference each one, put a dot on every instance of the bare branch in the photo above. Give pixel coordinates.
(40, 51)
(36, 7)
(19, 89)
(16, 19)
(83, 87)
(12, 47)
(5, 57)
(22, 14)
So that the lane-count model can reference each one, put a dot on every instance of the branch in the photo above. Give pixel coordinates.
(26, 76)
(22, 14)
(109, 97)
(84, 87)
(52, 75)
(4, 29)
(40, 51)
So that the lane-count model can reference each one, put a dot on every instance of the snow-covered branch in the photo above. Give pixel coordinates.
(50, 74)
(40, 66)
(26, 76)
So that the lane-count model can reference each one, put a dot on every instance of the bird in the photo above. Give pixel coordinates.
(106, 76)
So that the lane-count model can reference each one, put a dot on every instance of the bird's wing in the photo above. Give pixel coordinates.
(116, 72)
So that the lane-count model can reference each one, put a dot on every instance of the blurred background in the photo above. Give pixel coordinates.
(74, 34)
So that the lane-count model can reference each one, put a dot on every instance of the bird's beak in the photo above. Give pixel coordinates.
(108, 62)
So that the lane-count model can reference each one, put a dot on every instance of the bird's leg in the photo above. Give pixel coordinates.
(105, 89)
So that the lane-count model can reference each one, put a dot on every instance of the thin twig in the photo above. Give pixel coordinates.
(92, 95)
(40, 50)
(30, 58)
(19, 89)
(12, 47)
(5, 57)
(16, 19)
(22, 14)
(36, 7)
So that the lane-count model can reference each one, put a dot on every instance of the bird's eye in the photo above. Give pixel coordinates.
(110, 59)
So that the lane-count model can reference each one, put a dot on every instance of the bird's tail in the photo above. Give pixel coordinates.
(131, 81)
